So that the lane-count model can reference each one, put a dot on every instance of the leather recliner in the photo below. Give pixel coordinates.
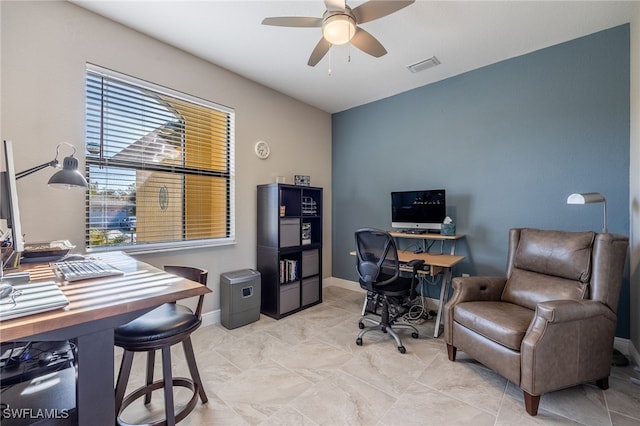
(550, 322)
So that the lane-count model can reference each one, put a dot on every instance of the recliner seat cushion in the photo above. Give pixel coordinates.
(502, 322)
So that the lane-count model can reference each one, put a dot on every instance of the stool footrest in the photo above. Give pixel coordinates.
(159, 384)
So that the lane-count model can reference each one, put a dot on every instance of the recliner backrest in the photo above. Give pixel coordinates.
(548, 265)
(609, 257)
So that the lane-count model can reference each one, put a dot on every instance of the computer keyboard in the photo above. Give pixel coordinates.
(76, 270)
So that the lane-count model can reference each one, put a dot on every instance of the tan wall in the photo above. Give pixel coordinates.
(45, 46)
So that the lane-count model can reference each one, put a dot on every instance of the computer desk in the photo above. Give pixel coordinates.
(427, 236)
(96, 307)
(438, 264)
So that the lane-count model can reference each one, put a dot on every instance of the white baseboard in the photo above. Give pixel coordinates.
(215, 317)
(211, 318)
(626, 347)
(339, 282)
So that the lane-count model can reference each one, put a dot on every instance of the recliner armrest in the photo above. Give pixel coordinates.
(568, 342)
(558, 311)
(467, 289)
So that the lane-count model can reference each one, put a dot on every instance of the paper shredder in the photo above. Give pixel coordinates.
(239, 297)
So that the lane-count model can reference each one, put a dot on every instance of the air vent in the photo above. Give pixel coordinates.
(423, 65)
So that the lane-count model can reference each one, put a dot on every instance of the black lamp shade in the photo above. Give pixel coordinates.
(69, 176)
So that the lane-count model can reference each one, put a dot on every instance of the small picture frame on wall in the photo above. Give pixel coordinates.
(302, 180)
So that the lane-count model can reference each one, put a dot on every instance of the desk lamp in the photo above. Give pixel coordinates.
(588, 198)
(69, 177)
(618, 358)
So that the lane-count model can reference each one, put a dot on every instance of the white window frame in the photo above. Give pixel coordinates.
(154, 247)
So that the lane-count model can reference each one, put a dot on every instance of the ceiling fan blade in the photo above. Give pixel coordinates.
(335, 4)
(368, 43)
(293, 21)
(319, 51)
(374, 9)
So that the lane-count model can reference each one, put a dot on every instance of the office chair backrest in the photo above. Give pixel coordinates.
(377, 257)
(191, 273)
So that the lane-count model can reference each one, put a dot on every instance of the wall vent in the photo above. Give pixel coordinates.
(423, 65)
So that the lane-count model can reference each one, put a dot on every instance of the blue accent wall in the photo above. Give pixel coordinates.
(509, 142)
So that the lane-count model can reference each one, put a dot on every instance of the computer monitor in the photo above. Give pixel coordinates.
(418, 211)
(10, 211)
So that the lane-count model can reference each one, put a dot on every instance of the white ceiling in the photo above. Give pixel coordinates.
(462, 35)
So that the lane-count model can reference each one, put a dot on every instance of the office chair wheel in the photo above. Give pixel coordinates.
(359, 341)
(402, 349)
(414, 335)
(361, 325)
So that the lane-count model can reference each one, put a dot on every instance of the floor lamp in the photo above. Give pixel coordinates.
(589, 198)
(618, 358)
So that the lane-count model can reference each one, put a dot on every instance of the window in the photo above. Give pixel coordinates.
(160, 166)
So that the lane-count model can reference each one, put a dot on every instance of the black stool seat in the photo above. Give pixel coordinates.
(156, 328)
(159, 329)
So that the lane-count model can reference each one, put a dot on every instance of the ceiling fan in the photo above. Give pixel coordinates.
(339, 25)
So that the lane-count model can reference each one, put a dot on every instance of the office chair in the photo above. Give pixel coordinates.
(388, 293)
(163, 327)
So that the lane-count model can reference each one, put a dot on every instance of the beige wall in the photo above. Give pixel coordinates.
(634, 186)
(45, 46)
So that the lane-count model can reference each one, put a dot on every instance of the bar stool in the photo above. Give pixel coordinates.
(159, 329)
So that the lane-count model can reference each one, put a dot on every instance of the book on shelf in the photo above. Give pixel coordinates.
(289, 270)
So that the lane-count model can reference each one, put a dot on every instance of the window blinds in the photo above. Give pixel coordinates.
(159, 163)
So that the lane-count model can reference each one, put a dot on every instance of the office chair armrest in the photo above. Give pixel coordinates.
(415, 264)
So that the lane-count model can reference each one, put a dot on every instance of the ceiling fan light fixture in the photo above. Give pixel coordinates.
(339, 28)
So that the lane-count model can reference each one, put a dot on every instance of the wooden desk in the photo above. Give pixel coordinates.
(428, 236)
(96, 307)
(439, 263)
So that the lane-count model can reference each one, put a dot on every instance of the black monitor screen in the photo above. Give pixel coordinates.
(418, 207)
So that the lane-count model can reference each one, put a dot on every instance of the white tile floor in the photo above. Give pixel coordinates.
(306, 369)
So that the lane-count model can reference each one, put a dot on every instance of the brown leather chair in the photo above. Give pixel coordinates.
(550, 323)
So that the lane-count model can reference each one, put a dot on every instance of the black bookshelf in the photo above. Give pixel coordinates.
(289, 247)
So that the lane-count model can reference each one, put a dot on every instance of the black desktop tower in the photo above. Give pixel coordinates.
(38, 384)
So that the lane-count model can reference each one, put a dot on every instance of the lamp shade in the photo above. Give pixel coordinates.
(588, 198)
(69, 177)
(585, 198)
